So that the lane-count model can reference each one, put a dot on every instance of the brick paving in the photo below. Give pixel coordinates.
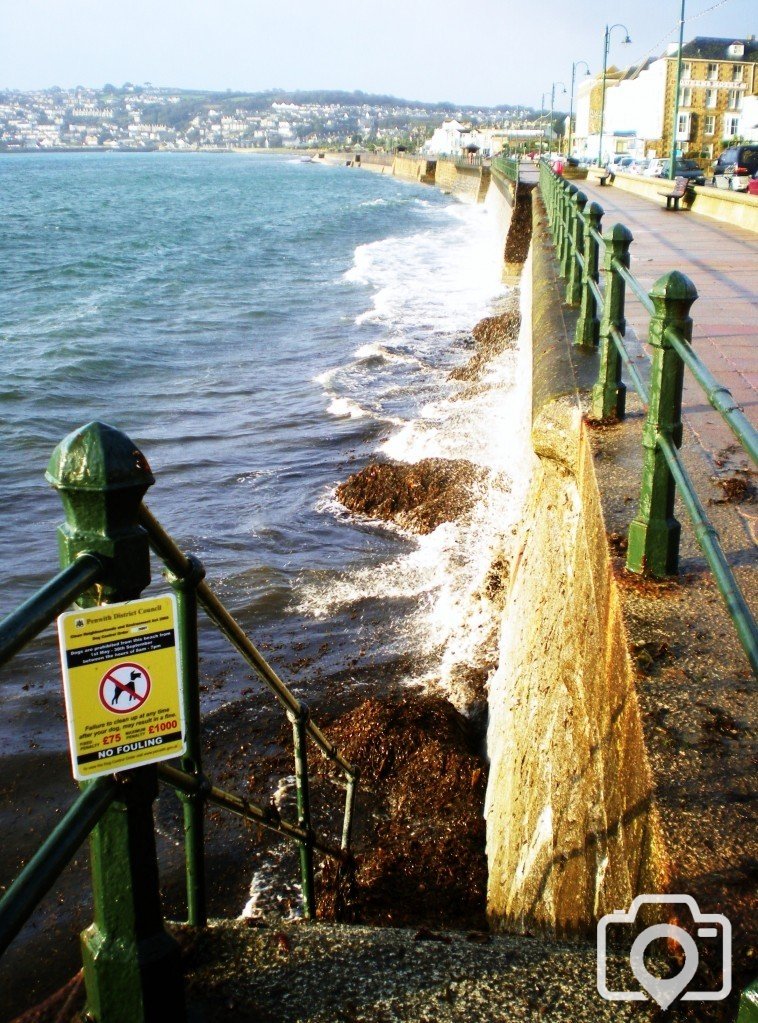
(722, 262)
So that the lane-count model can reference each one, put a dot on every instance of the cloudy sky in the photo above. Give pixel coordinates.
(466, 51)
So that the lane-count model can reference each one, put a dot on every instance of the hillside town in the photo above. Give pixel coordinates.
(142, 117)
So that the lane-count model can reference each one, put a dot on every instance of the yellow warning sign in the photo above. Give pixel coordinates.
(121, 684)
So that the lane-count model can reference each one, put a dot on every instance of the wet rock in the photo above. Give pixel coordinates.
(418, 497)
(492, 335)
(422, 859)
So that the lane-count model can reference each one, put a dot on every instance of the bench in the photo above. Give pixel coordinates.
(677, 192)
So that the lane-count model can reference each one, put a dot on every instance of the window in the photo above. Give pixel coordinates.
(735, 99)
(710, 98)
(685, 97)
(737, 72)
(713, 72)
(710, 124)
(683, 128)
(732, 127)
(687, 70)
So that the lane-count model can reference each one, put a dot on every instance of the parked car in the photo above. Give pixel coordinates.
(639, 166)
(684, 169)
(752, 185)
(734, 168)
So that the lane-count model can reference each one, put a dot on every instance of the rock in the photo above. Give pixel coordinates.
(418, 497)
(492, 335)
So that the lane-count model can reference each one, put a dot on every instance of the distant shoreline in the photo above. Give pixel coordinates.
(154, 152)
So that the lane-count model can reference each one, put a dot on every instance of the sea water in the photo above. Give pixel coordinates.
(260, 327)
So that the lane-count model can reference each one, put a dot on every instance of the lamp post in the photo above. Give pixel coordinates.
(542, 122)
(608, 30)
(675, 125)
(574, 66)
(552, 106)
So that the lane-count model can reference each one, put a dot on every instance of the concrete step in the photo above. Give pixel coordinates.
(329, 973)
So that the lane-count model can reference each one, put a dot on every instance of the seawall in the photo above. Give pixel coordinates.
(572, 830)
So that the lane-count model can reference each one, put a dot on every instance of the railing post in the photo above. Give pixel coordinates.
(574, 276)
(132, 967)
(569, 210)
(609, 393)
(560, 195)
(193, 804)
(587, 326)
(300, 738)
(654, 533)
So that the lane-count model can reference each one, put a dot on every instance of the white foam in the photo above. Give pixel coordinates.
(346, 408)
(425, 291)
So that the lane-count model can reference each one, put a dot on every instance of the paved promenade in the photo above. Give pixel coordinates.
(722, 261)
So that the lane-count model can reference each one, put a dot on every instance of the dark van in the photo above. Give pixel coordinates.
(735, 166)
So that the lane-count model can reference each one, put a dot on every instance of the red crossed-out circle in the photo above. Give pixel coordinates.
(135, 700)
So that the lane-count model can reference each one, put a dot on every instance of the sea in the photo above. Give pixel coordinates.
(261, 327)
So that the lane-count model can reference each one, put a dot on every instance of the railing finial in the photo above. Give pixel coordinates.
(102, 477)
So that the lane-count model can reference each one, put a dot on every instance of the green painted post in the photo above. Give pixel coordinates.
(132, 967)
(193, 804)
(574, 278)
(569, 209)
(654, 533)
(588, 326)
(300, 739)
(609, 393)
(748, 1012)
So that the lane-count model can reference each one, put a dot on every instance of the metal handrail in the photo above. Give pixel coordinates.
(35, 614)
(106, 566)
(53, 856)
(719, 397)
(180, 565)
(509, 168)
(265, 817)
(575, 225)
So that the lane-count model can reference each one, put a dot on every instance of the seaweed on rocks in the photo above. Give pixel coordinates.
(492, 335)
(418, 497)
(421, 857)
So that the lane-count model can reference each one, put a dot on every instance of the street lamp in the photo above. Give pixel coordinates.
(552, 105)
(574, 66)
(675, 125)
(608, 31)
(542, 123)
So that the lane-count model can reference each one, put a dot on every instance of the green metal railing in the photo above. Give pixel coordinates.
(654, 534)
(508, 167)
(132, 966)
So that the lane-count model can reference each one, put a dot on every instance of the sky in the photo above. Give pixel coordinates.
(478, 52)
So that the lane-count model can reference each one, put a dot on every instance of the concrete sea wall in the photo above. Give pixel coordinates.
(469, 184)
(572, 829)
(572, 825)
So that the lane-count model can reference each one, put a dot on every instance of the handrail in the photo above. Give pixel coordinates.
(718, 396)
(653, 542)
(710, 543)
(266, 817)
(506, 166)
(180, 565)
(107, 563)
(52, 857)
(40, 610)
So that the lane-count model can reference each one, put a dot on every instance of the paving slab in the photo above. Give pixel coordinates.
(722, 261)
